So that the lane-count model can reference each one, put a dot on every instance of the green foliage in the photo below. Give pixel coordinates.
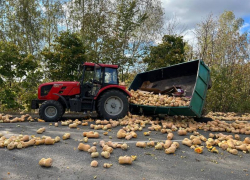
(9, 100)
(21, 23)
(229, 92)
(14, 66)
(169, 52)
(224, 49)
(28, 88)
(9, 56)
(62, 62)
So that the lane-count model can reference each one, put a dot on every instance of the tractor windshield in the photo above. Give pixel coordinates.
(110, 76)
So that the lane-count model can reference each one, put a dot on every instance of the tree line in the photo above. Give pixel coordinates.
(45, 40)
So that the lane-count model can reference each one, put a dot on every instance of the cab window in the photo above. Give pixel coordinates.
(110, 76)
(88, 74)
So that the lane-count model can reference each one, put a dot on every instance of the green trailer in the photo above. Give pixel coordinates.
(193, 76)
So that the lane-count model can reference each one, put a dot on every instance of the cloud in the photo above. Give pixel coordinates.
(191, 12)
(245, 27)
(189, 36)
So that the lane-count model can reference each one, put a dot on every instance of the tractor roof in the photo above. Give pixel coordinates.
(102, 65)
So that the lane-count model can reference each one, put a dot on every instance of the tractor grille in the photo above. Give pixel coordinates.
(45, 90)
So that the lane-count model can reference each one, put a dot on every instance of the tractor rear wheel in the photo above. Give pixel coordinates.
(51, 111)
(112, 104)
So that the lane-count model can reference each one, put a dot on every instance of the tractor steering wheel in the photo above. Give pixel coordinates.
(88, 84)
(94, 81)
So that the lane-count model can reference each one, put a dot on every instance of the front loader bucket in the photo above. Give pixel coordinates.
(193, 76)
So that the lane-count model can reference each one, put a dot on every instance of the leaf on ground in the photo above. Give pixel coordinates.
(133, 157)
(214, 161)
(149, 154)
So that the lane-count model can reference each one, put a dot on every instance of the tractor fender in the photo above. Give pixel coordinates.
(64, 100)
(109, 87)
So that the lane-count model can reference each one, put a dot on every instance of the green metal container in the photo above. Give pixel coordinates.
(192, 76)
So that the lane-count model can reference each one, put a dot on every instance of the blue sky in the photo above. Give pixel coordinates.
(191, 12)
(246, 26)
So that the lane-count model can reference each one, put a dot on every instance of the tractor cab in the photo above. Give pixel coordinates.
(97, 76)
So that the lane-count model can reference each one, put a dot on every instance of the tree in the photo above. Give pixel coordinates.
(225, 49)
(13, 63)
(62, 62)
(27, 88)
(189, 52)
(116, 32)
(169, 52)
(205, 35)
(173, 26)
(230, 44)
(21, 24)
(92, 20)
(52, 14)
(219, 40)
(14, 66)
(137, 24)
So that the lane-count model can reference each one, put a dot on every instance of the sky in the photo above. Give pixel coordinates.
(191, 12)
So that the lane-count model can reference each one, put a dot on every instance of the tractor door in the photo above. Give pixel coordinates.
(97, 80)
(86, 85)
(91, 81)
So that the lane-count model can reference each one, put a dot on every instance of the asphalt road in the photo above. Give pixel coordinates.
(70, 163)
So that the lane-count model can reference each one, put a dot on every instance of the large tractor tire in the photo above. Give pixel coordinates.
(113, 104)
(51, 111)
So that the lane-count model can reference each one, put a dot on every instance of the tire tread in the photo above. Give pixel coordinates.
(100, 108)
(56, 104)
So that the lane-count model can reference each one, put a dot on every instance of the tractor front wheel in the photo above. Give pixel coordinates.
(112, 104)
(51, 110)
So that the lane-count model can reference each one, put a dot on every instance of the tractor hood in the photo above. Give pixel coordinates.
(61, 83)
(52, 90)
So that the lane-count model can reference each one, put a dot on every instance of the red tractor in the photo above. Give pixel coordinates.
(98, 90)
